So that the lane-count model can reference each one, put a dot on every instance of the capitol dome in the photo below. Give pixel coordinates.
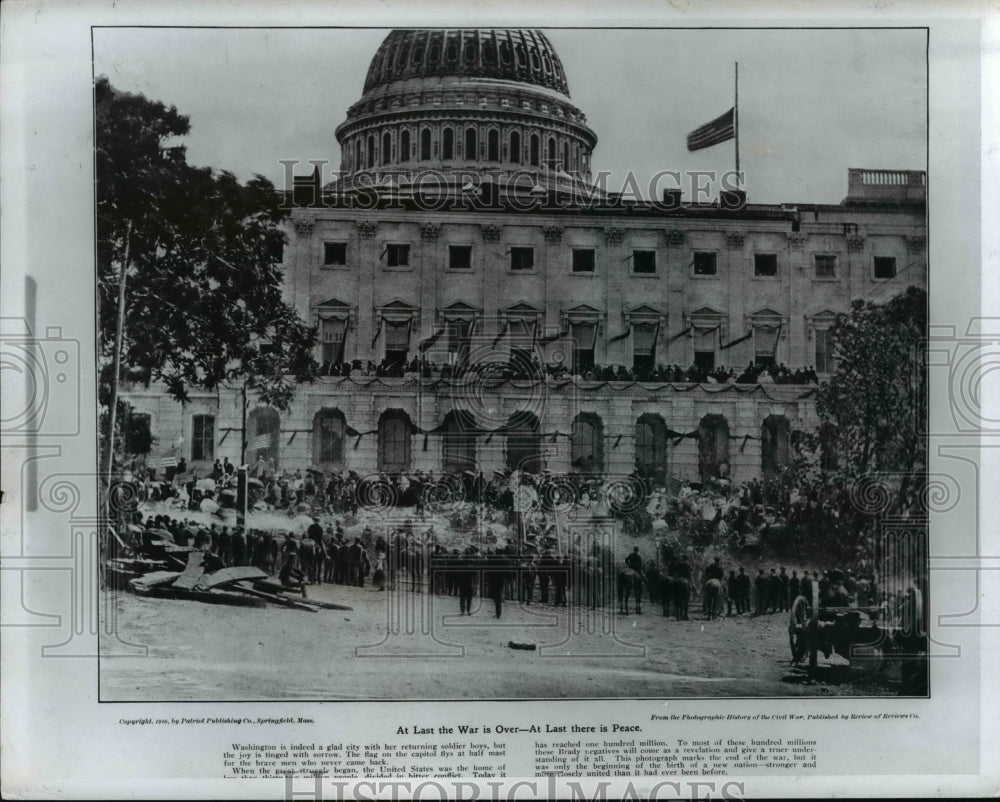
(491, 101)
(515, 55)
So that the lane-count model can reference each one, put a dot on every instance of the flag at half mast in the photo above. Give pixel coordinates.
(721, 129)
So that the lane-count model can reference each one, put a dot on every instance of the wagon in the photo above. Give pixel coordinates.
(862, 635)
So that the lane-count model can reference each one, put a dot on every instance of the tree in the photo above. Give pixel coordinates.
(875, 403)
(187, 259)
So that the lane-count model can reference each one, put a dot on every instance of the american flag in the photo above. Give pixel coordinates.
(712, 133)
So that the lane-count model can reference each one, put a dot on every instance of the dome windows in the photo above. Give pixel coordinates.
(434, 54)
(525, 55)
(490, 52)
(409, 114)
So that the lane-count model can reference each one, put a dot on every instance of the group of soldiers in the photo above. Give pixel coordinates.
(318, 556)
(584, 577)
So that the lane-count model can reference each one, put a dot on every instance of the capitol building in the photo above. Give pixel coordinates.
(481, 305)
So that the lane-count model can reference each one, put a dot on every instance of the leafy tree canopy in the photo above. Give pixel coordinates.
(198, 252)
(877, 398)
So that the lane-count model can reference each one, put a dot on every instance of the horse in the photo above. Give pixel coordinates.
(629, 583)
(712, 599)
(681, 591)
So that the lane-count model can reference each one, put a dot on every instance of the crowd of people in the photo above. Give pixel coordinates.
(535, 572)
(530, 367)
(715, 513)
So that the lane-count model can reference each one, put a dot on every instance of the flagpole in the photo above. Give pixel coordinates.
(736, 117)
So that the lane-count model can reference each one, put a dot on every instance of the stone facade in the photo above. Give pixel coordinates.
(384, 271)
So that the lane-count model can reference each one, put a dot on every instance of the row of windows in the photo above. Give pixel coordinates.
(457, 340)
(583, 260)
(524, 446)
(371, 150)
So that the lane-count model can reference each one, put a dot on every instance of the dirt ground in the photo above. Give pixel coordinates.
(407, 645)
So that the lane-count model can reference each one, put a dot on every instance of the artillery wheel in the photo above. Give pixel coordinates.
(798, 628)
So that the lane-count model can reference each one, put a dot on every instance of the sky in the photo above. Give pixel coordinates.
(812, 103)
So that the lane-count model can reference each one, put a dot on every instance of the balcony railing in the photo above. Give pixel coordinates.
(864, 185)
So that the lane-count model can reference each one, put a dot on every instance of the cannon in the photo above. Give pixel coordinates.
(861, 635)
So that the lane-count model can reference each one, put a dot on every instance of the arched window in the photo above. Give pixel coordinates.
(425, 144)
(493, 146)
(404, 146)
(263, 435)
(587, 443)
(394, 435)
(650, 444)
(565, 162)
(515, 147)
(471, 51)
(534, 146)
(448, 143)
(357, 154)
(371, 150)
(775, 445)
(329, 428)
(552, 152)
(458, 441)
(524, 444)
(386, 147)
(713, 447)
(470, 144)
(202, 437)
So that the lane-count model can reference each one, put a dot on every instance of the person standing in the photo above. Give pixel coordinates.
(773, 592)
(467, 580)
(793, 586)
(743, 592)
(760, 586)
(560, 579)
(495, 582)
(733, 595)
(783, 589)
